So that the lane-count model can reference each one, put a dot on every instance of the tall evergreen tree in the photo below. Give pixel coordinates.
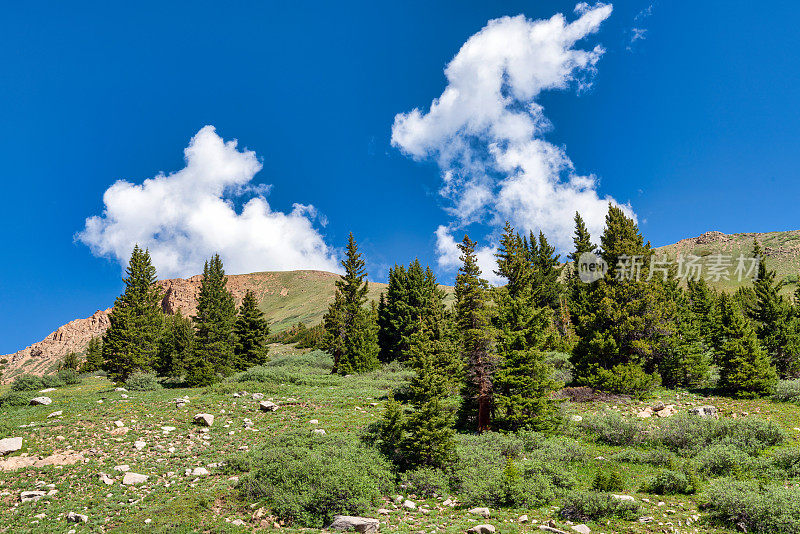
(214, 328)
(581, 239)
(131, 341)
(252, 331)
(94, 356)
(744, 368)
(177, 345)
(546, 274)
(473, 320)
(351, 329)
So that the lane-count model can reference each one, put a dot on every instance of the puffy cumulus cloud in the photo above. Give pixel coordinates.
(486, 130)
(186, 216)
(450, 254)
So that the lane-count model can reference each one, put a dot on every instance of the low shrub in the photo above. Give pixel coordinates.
(305, 479)
(51, 381)
(140, 381)
(787, 391)
(590, 506)
(685, 433)
(608, 481)
(749, 507)
(425, 481)
(723, 459)
(627, 379)
(787, 461)
(27, 383)
(562, 366)
(69, 377)
(656, 457)
(750, 434)
(614, 429)
(14, 399)
(670, 482)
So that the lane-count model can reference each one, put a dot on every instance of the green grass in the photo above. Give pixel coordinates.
(344, 407)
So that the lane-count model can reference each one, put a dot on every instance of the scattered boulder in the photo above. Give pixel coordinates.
(31, 496)
(139, 445)
(657, 407)
(554, 530)
(622, 497)
(77, 518)
(581, 529)
(200, 472)
(59, 413)
(47, 390)
(319, 431)
(523, 518)
(384, 511)
(131, 478)
(9, 445)
(268, 406)
(480, 511)
(41, 401)
(257, 396)
(646, 413)
(482, 529)
(123, 390)
(205, 419)
(180, 402)
(576, 418)
(705, 411)
(359, 524)
(105, 479)
(668, 411)
(409, 505)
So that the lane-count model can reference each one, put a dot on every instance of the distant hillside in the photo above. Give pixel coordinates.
(781, 250)
(286, 297)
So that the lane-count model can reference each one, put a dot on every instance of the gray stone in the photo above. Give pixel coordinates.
(41, 401)
(200, 472)
(409, 505)
(31, 496)
(105, 479)
(59, 413)
(77, 518)
(257, 396)
(554, 530)
(139, 445)
(319, 431)
(238, 523)
(705, 411)
(8, 445)
(359, 524)
(131, 479)
(205, 419)
(123, 390)
(47, 390)
(623, 497)
(267, 406)
(480, 511)
(482, 529)
(581, 529)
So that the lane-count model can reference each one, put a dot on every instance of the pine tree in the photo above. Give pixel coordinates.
(252, 331)
(94, 356)
(214, 328)
(744, 368)
(546, 274)
(621, 237)
(581, 239)
(473, 320)
(351, 331)
(177, 346)
(131, 341)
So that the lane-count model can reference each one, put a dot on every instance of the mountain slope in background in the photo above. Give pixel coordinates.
(290, 297)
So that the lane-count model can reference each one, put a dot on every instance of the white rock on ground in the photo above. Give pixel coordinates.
(205, 419)
(480, 511)
(47, 390)
(623, 497)
(131, 478)
(200, 472)
(319, 431)
(581, 529)
(705, 411)
(410, 505)
(28, 496)
(121, 389)
(59, 413)
(257, 396)
(124, 468)
(139, 445)
(482, 529)
(105, 479)
(523, 518)
(41, 401)
(9, 445)
(359, 524)
(77, 518)
(267, 406)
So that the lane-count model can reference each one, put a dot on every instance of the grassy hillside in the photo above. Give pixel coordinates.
(781, 249)
(90, 429)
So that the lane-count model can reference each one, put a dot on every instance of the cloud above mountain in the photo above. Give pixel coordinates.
(186, 216)
(487, 131)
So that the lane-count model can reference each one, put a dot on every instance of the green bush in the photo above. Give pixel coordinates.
(608, 481)
(749, 507)
(614, 429)
(627, 379)
(722, 459)
(425, 481)
(684, 433)
(788, 461)
(69, 377)
(51, 381)
(590, 506)
(669, 482)
(14, 399)
(751, 434)
(562, 366)
(26, 383)
(140, 381)
(306, 479)
(656, 457)
(787, 391)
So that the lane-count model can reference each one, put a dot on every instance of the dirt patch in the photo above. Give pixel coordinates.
(57, 458)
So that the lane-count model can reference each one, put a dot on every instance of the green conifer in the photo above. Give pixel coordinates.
(131, 341)
(177, 345)
(252, 332)
(94, 356)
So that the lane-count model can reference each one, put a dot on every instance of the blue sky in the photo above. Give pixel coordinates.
(694, 126)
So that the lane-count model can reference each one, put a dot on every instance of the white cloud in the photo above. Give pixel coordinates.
(486, 130)
(185, 217)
